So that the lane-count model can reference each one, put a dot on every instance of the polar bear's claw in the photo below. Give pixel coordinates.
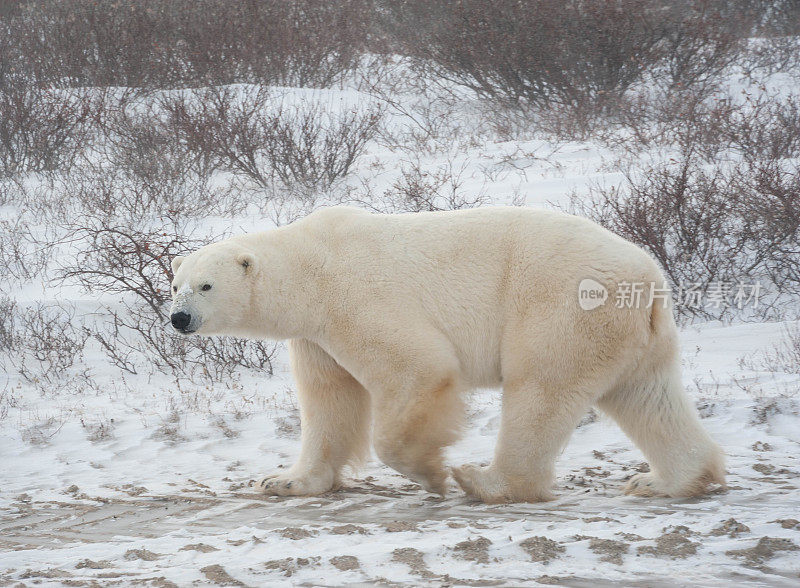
(294, 485)
(644, 485)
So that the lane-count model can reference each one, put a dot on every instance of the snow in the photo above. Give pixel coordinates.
(121, 478)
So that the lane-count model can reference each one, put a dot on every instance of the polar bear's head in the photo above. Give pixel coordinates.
(212, 290)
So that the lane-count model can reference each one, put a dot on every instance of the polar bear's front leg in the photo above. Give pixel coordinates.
(334, 421)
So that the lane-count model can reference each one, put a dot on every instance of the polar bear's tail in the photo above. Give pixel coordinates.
(653, 409)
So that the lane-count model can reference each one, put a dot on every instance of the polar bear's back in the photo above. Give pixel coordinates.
(502, 247)
(484, 278)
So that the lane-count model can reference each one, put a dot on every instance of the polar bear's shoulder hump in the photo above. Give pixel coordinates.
(334, 214)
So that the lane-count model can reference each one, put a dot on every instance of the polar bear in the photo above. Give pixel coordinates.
(391, 319)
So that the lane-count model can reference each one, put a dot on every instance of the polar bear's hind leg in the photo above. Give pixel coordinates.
(536, 425)
(410, 434)
(654, 411)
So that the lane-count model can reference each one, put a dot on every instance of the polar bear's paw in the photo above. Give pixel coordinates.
(487, 484)
(296, 484)
(481, 483)
(645, 485)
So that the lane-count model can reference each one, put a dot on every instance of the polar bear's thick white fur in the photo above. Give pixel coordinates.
(393, 318)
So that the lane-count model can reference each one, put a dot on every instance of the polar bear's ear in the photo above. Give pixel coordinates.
(176, 263)
(247, 260)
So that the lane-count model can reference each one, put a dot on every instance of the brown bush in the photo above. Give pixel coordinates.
(418, 189)
(23, 256)
(8, 313)
(140, 171)
(43, 129)
(46, 343)
(134, 263)
(701, 39)
(785, 355)
(172, 43)
(251, 133)
(765, 127)
(777, 47)
(760, 126)
(542, 52)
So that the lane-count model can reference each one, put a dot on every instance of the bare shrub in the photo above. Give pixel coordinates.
(251, 133)
(9, 50)
(773, 55)
(47, 343)
(728, 225)
(762, 126)
(9, 191)
(766, 127)
(223, 352)
(136, 132)
(785, 356)
(429, 118)
(84, 43)
(540, 52)
(120, 259)
(777, 46)
(305, 43)
(144, 172)
(22, 255)
(570, 66)
(419, 189)
(41, 206)
(43, 129)
(683, 120)
(283, 207)
(313, 148)
(7, 401)
(770, 220)
(127, 261)
(44, 429)
(575, 122)
(141, 144)
(701, 39)
(142, 337)
(678, 213)
(98, 428)
(220, 126)
(124, 193)
(8, 313)
(170, 43)
(122, 357)
(135, 263)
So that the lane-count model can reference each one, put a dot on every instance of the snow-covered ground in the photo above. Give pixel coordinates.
(164, 501)
(121, 479)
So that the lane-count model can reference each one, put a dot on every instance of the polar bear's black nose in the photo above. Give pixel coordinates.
(180, 320)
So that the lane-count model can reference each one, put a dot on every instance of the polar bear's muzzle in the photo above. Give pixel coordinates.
(183, 316)
(182, 322)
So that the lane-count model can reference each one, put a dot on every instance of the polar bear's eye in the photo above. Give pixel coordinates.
(206, 287)
(174, 288)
